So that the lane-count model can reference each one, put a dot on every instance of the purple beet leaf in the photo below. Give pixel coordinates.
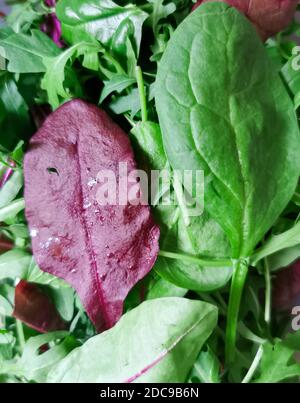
(35, 308)
(52, 26)
(101, 250)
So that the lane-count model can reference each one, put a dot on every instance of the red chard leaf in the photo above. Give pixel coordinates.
(35, 308)
(101, 250)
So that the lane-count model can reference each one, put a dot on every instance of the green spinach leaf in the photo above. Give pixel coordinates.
(201, 236)
(14, 110)
(103, 20)
(156, 342)
(224, 110)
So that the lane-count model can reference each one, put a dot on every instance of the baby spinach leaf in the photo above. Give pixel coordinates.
(177, 329)
(63, 298)
(202, 236)
(9, 212)
(224, 110)
(14, 110)
(101, 249)
(11, 188)
(160, 288)
(25, 53)
(277, 362)
(14, 264)
(103, 20)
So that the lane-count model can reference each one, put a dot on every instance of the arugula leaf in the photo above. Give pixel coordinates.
(287, 239)
(118, 83)
(160, 11)
(206, 368)
(284, 258)
(128, 353)
(191, 90)
(25, 53)
(23, 15)
(34, 366)
(7, 341)
(277, 362)
(126, 103)
(54, 79)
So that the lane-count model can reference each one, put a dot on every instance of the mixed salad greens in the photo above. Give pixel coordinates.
(163, 85)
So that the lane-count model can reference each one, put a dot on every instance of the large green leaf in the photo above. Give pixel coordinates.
(25, 53)
(103, 20)
(201, 236)
(156, 342)
(224, 110)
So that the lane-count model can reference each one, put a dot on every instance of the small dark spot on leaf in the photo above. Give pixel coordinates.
(52, 170)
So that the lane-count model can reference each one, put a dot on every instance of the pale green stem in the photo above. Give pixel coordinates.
(254, 365)
(194, 259)
(268, 292)
(20, 334)
(142, 93)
